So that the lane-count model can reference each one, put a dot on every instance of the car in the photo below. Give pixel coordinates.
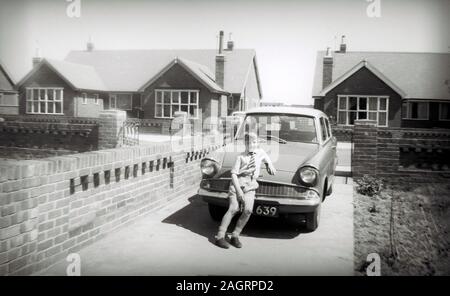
(300, 143)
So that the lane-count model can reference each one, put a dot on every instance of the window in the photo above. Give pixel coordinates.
(351, 108)
(288, 127)
(96, 99)
(415, 110)
(9, 100)
(327, 124)
(444, 111)
(44, 100)
(323, 129)
(167, 102)
(230, 104)
(84, 96)
(120, 101)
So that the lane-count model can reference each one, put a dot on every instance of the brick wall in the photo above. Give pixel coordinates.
(49, 132)
(399, 154)
(55, 206)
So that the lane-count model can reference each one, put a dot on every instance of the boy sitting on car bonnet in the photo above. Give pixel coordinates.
(242, 189)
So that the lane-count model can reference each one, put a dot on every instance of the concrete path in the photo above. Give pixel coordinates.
(177, 240)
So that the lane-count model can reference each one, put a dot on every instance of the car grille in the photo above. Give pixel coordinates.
(265, 188)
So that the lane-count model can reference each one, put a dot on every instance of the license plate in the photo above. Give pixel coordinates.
(265, 210)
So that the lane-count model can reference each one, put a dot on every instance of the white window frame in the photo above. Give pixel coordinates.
(84, 97)
(440, 111)
(45, 100)
(408, 111)
(179, 104)
(114, 95)
(378, 110)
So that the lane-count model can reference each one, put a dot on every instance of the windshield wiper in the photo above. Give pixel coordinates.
(280, 140)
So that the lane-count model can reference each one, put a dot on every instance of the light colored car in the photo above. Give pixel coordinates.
(300, 143)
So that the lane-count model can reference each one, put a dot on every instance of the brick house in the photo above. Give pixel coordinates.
(396, 89)
(8, 94)
(148, 84)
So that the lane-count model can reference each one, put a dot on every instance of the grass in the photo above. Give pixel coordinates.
(408, 226)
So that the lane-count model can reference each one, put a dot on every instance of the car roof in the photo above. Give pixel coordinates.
(289, 110)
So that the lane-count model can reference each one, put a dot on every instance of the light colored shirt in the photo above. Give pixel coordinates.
(243, 161)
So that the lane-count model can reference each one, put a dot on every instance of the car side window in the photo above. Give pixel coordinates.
(327, 124)
(323, 129)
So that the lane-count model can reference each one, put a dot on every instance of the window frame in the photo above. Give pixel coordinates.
(114, 95)
(171, 103)
(408, 111)
(45, 100)
(84, 98)
(440, 111)
(358, 110)
(96, 97)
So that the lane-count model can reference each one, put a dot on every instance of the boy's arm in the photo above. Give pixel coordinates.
(237, 186)
(270, 168)
(234, 177)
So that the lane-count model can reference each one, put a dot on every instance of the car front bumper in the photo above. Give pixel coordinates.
(284, 205)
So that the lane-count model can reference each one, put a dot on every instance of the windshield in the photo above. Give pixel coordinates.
(280, 127)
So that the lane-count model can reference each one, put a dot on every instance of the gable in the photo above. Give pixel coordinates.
(5, 81)
(44, 76)
(176, 77)
(362, 82)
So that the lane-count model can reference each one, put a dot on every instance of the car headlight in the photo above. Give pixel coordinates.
(209, 167)
(308, 175)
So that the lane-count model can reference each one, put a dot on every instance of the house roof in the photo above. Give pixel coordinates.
(6, 81)
(412, 75)
(200, 72)
(130, 70)
(78, 76)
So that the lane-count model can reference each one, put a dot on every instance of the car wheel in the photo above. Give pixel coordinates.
(312, 219)
(216, 212)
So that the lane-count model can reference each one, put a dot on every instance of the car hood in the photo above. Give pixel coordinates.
(285, 157)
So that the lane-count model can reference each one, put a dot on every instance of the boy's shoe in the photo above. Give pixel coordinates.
(222, 242)
(235, 242)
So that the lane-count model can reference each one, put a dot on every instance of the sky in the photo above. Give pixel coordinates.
(286, 34)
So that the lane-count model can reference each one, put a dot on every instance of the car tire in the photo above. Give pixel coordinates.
(216, 212)
(313, 219)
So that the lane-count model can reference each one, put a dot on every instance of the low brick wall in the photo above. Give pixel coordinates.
(55, 206)
(49, 132)
(399, 154)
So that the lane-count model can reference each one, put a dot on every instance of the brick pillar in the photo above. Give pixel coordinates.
(110, 128)
(364, 159)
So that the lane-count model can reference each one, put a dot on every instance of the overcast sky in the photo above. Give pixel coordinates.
(285, 34)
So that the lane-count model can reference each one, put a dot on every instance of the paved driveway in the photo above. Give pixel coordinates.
(177, 240)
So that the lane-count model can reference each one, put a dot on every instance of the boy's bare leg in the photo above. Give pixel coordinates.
(249, 199)
(233, 208)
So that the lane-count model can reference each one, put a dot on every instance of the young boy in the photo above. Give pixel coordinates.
(242, 189)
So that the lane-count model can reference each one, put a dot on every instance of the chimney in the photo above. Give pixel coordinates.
(230, 43)
(220, 63)
(90, 44)
(343, 46)
(327, 74)
(37, 57)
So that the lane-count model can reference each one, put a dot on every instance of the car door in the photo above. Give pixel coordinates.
(329, 150)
